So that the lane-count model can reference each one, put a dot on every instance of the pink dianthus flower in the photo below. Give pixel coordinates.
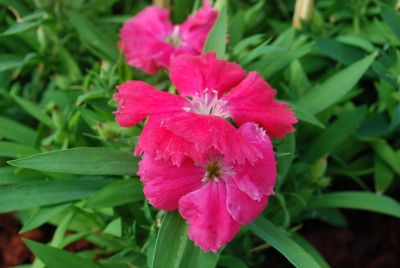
(149, 40)
(216, 196)
(195, 121)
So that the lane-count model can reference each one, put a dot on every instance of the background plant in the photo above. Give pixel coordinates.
(59, 65)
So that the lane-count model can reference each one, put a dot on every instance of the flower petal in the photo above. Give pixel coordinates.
(165, 183)
(160, 143)
(241, 207)
(136, 100)
(208, 132)
(143, 39)
(211, 226)
(196, 28)
(193, 74)
(257, 180)
(253, 101)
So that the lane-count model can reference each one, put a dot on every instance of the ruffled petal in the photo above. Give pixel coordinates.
(142, 40)
(211, 226)
(207, 132)
(257, 180)
(136, 100)
(194, 74)
(241, 206)
(160, 143)
(196, 28)
(253, 100)
(165, 183)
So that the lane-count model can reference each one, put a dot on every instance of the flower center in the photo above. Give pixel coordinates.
(208, 103)
(174, 38)
(216, 170)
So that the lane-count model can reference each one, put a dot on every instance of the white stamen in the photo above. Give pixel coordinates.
(208, 104)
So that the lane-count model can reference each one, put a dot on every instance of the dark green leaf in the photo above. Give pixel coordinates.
(336, 87)
(278, 239)
(57, 258)
(335, 134)
(174, 249)
(92, 161)
(357, 200)
(43, 193)
(117, 193)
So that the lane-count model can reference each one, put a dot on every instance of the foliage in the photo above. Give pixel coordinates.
(58, 69)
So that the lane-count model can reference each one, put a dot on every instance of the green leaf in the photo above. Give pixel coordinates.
(11, 149)
(11, 61)
(16, 131)
(43, 215)
(93, 37)
(173, 248)
(287, 146)
(387, 154)
(278, 239)
(357, 200)
(43, 193)
(231, 262)
(116, 194)
(35, 111)
(336, 87)
(57, 258)
(20, 28)
(311, 250)
(383, 175)
(216, 40)
(335, 134)
(91, 161)
(392, 18)
(304, 115)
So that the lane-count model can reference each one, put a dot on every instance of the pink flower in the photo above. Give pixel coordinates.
(149, 40)
(188, 125)
(216, 196)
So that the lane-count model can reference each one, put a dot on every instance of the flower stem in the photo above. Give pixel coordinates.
(303, 11)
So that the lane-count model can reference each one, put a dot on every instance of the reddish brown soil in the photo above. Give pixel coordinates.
(370, 241)
(12, 250)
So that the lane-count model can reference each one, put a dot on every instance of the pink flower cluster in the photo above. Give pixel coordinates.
(194, 159)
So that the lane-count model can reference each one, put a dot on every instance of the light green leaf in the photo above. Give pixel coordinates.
(116, 194)
(43, 193)
(387, 154)
(336, 87)
(20, 28)
(278, 239)
(43, 215)
(383, 175)
(174, 249)
(16, 131)
(92, 161)
(304, 115)
(13, 150)
(357, 200)
(57, 258)
(216, 40)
